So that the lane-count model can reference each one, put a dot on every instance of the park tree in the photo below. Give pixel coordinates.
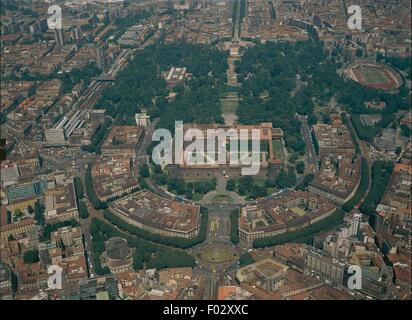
(234, 229)
(300, 167)
(259, 191)
(177, 185)
(31, 256)
(406, 130)
(83, 212)
(79, 188)
(245, 185)
(18, 214)
(246, 259)
(160, 179)
(312, 120)
(91, 193)
(381, 173)
(231, 185)
(144, 170)
(285, 179)
(39, 213)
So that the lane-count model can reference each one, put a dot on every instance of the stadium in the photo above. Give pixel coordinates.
(373, 75)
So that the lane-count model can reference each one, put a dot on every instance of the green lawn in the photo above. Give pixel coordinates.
(217, 254)
(374, 75)
(222, 198)
(229, 106)
(272, 190)
(277, 148)
(197, 197)
(260, 181)
(260, 224)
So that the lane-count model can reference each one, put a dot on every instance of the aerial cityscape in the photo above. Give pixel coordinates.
(206, 150)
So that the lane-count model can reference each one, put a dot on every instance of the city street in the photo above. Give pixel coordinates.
(218, 233)
(312, 160)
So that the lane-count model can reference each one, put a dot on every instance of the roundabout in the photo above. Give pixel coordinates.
(216, 256)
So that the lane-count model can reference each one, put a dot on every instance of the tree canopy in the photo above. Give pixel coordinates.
(31, 256)
(141, 85)
(146, 253)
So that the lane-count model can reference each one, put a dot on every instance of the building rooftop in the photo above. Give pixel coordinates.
(5, 272)
(60, 200)
(338, 175)
(18, 224)
(112, 176)
(26, 190)
(289, 209)
(122, 139)
(259, 270)
(150, 209)
(398, 194)
(243, 132)
(333, 136)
